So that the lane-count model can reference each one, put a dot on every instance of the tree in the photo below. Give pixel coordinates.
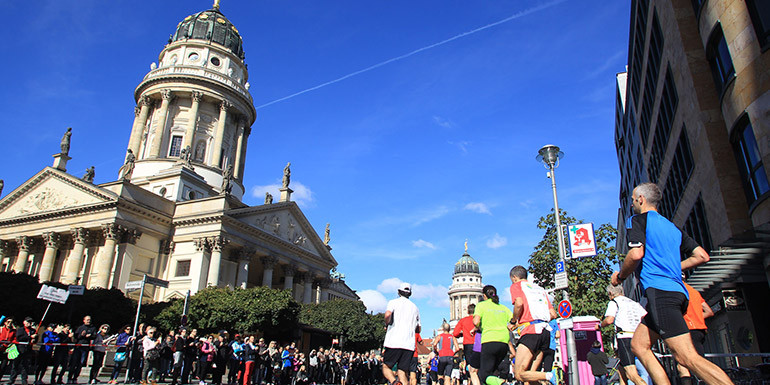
(359, 331)
(588, 277)
(252, 309)
(108, 306)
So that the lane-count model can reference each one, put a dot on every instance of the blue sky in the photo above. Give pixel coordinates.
(422, 134)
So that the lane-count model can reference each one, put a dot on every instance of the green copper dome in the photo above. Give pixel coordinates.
(466, 264)
(210, 26)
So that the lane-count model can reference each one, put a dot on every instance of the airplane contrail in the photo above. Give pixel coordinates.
(406, 55)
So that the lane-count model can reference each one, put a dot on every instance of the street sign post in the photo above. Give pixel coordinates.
(560, 278)
(565, 309)
(53, 294)
(582, 240)
(134, 285)
(76, 289)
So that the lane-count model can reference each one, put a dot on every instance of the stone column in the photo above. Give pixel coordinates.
(4, 247)
(52, 242)
(104, 260)
(75, 260)
(140, 121)
(242, 276)
(217, 243)
(240, 151)
(189, 135)
(25, 245)
(268, 262)
(308, 295)
(202, 246)
(160, 128)
(220, 134)
(324, 284)
(289, 271)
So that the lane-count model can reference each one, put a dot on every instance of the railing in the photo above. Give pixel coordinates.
(201, 72)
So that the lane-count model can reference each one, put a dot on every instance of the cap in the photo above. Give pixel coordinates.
(405, 286)
(29, 319)
(237, 336)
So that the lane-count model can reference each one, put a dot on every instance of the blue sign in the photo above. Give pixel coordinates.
(564, 309)
(560, 267)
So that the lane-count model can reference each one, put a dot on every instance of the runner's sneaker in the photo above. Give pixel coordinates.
(554, 380)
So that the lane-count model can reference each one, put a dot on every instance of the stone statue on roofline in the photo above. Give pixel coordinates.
(268, 198)
(227, 180)
(286, 175)
(128, 166)
(65, 142)
(89, 175)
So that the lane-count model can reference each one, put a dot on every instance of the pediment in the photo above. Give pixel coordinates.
(50, 191)
(286, 222)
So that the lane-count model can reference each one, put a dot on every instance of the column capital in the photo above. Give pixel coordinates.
(145, 100)
(5, 246)
(218, 242)
(112, 231)
(289, 270)
(322, 282)
(137, 110)
(197, 96)
(245, 254)
(131, 235)
(225, 105)
(52, 240)
(80, 235)
(25, 243)
(201, 244)
(268, 261)
(167, 94)
(166, 246)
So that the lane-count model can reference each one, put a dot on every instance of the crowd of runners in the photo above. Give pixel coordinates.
(499, 345)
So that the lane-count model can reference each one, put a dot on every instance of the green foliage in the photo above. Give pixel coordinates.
(243, 310)
(359, 331)
(108, 306)
(588, 277)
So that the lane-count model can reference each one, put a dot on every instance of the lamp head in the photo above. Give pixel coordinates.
(549, 155)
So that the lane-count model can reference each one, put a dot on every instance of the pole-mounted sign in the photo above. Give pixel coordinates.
(582, 240)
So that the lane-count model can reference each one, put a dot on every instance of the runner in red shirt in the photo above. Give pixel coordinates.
(467, 330)
(697, 312)
(531, 310)
(446, 345)
(415, 366)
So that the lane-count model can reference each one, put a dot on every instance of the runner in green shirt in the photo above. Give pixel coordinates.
(493, 320)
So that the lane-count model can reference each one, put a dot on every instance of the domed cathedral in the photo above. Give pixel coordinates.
(175, 212)
(466, 287)
(194, 106)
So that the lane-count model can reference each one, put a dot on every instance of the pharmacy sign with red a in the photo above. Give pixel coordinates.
(582, 240)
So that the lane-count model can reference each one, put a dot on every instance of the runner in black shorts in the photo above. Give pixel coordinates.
(536, 342)
(400, 357)
(657, 245)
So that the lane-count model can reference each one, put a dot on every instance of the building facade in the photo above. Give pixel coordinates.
(693, 116)
(465, 289)
(175, 211)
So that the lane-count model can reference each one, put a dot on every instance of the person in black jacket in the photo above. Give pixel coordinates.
(598, 361)
(84, 335)
(61, 354)
(25, 336)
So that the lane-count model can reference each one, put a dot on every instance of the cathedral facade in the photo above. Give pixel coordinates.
(176, 211)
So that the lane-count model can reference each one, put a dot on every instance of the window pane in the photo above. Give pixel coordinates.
(750, 144)
(176, 146)
(760, 180)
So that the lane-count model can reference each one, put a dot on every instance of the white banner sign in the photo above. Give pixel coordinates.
(53, 294)
(134, 285)
(582, 240)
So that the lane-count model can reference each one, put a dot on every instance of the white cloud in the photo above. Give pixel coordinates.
(462, 145)
(427, 216)
(478, 207)
(442, 122)
(497, 241)
(435, 295)
(373, 300)
(420, 243)
(302, 194)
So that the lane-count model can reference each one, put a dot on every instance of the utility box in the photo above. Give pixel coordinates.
(584, 329)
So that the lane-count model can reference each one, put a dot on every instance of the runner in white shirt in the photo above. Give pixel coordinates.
(626, 314)
(403, 320)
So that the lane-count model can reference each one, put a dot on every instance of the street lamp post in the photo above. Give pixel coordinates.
(550, 155)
